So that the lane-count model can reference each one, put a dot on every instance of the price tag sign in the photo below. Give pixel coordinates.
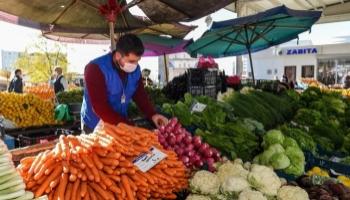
(148, 160)
(335, 159)
(198, 107)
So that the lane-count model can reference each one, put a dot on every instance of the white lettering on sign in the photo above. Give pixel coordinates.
(301, 51)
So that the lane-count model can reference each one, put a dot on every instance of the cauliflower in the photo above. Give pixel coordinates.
(229, 169)
(234, 185)
(264, 179)
(197, 197)
(251, 195)
(205, 182)
(247, 165)
(292, 193)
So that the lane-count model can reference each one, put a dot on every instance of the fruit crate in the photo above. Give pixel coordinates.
(202, 77)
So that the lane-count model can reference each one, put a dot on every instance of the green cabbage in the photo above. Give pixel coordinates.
(290, 142)
(273, 137)
(279, 161)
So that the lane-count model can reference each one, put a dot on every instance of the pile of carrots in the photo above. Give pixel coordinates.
(43, 91)
(100, 166)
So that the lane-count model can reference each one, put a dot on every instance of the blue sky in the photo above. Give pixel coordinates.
(80, 54)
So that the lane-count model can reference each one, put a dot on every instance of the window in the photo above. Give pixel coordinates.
(269, 72)
(276, 71)
(307, 71)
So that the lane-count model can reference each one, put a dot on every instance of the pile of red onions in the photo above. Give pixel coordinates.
(192, 150)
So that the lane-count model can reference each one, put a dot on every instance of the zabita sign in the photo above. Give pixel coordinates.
(302, 51)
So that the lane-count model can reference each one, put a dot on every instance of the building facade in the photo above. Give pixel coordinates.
(326, 63)
(8, 60)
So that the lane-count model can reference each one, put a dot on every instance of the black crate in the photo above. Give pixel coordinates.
(24, 141)
(210, 91)
(196, 90)
(202, 77)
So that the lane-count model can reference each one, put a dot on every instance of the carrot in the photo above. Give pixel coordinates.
(65, 167)
(51, 161)
(114, 178)
(62, 186)
(54, 183)
(51, 196)
(89, 174)
(83, 190)
(107, 181)
(99, 190)
(78, 194)
(35, 163)
(68, 194)
(84, 177)
(92, 193)
(87, 161)
(108, 170)
(115, 189)
(51, 177)
(126, 185)
(109, 161)
(72, 178)
(100, 152)
(87, 197)
(96, 160)
(75, 189)
(114, 155)
(97, 177)
(30, 185)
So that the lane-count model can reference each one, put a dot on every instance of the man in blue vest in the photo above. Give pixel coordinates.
(112, 81)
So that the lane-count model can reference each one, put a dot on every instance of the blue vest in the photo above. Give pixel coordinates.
(115, 88)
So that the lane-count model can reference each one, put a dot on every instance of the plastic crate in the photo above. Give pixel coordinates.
(210, 91)
(196, 90)
(202, 77)
(312, 161)
(24, 141)
(9, 141)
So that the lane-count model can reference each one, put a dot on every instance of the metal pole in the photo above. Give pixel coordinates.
(251, 64)
(111, 35)
(166, 70)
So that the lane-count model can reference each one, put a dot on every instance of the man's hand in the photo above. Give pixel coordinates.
(159, 120)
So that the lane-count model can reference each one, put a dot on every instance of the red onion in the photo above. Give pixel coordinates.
(197, 141)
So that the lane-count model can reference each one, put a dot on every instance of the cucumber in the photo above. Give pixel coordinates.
(11, 183)
(12, 195)
(27, 196)
(7, 177)
(13, 189)
(9, 171)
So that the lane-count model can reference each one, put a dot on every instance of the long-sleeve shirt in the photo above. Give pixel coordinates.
(97, 89)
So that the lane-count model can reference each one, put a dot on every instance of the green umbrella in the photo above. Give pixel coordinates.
(253, 33)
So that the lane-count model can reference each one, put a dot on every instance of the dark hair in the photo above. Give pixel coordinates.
(17, 70)
(129, 43)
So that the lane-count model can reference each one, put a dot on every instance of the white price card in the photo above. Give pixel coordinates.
(198, 107)
(148, 160)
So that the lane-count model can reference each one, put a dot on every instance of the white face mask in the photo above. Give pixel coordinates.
(129, 67)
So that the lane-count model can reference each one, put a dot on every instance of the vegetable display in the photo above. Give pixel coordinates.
(43, 91)
(100, 166)
(26, 110)
(328, 189)
(11, 183)
(238, 181)
(192, 150)
(282, 153)
(72, 96)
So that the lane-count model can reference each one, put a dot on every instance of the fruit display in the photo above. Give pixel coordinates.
(238, 181)
(44, 91)
(193, 152)
(26, 110)
(101, 166)
(317, 171)
(72, 96)
(11, 183)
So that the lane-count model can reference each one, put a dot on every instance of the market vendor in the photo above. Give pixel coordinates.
(111, 82)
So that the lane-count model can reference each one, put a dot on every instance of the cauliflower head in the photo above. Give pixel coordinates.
(229, 169)
(292, 193)
(234, 184)
(205, 182)
(251, 195)
(197, 197)
(264, 179)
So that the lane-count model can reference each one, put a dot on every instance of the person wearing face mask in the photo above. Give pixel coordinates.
(112, 81)
(16, 84)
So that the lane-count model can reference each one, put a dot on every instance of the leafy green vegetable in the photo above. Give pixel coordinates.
(304, 140)
(279, 161)
(273, 137)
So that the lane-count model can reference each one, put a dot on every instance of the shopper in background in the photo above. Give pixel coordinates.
(346, 82)
(16, 84)
(58, 81)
